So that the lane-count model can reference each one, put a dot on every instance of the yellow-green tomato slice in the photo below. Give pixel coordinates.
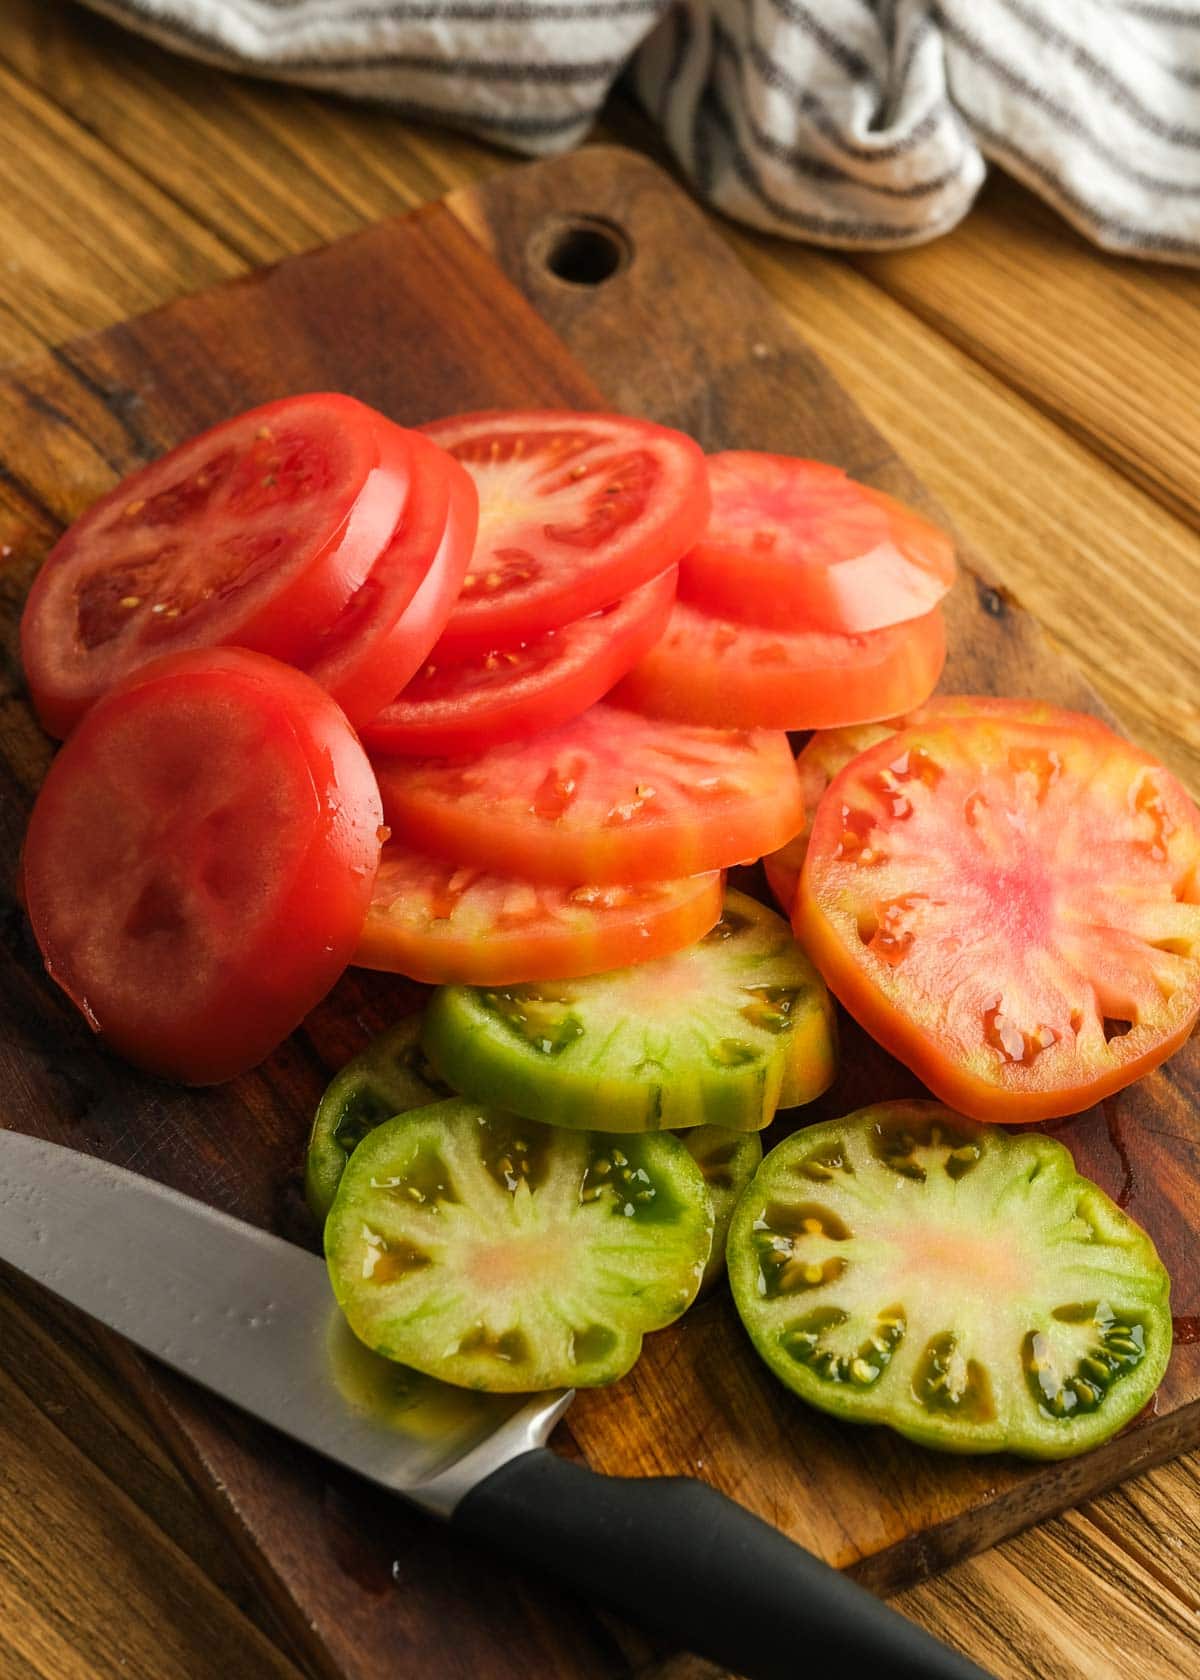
(959, 1283)
(495, 1253)
(721, 1033)
(391, 1075)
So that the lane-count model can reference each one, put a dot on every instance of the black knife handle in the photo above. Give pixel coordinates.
(687, 1563)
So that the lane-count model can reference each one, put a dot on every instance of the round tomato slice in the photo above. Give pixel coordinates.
(610, 797)
(256, 532)
(738, 676)
(200, 858)
(830, 750)
(1012, 909)
(445, 922)
(797, 542)
(467, 705)
(387, 628)
(575, 510)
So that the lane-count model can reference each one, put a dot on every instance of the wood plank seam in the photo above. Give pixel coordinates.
(1088, 439)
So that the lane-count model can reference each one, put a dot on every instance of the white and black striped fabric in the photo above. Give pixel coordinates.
(854, 123)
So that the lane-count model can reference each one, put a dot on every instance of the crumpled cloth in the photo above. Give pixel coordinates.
(853, 123)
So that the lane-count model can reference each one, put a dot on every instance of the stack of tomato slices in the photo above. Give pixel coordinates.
(811, 602)
(435, 592)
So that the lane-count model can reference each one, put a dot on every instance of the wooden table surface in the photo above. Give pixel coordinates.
(1047, 394)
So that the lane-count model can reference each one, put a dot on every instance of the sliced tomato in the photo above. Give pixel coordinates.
(830, 750)
(468, 705)
(385, 631)
(797, 542)
(200, 860)
(575, 510)
(1011, 908)
(448, 923)
(610, 797)
(256, 532)
(737, 676)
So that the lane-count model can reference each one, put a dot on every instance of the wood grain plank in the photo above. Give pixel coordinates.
(156, 1614)
(87, 239)
(1106, 346)
(1062, 1603)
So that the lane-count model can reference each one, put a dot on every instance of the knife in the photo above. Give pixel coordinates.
(252, 1318)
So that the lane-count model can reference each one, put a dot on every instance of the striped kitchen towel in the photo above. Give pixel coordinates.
(856, 123)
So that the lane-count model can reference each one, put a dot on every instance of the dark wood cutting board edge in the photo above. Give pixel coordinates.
(681, 332)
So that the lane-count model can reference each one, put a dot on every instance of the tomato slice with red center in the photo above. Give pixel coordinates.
(467, 705)
(738, 676)
(793, 542)
(610, 797)
(830, 750)
(448, 923)
(1013, 909)
(256, 532)
(575, 510)
(385, 631)
(200, 860)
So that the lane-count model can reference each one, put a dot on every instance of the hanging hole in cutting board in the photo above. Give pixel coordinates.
(582, 250)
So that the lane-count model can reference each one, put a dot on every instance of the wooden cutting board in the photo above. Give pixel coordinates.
(589, 281)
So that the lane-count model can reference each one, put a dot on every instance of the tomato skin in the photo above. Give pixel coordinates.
(387, 628)
(194, 935)
(1126, 942)
(449, 923)
(551, 680)
(586, 548)
(280, 603)
(610, 797)
(794, 542)
(706, 670)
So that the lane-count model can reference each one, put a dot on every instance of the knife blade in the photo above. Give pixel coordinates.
(252, 1318)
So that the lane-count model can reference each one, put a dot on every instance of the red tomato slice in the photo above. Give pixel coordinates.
(830, 750)
(737, 676)
(1012, 909)
(385, 631)
(448, 923)
(200, 860)
(797, 542)
(256, 532)
(610, 797)
(575, 510)
(467, 706)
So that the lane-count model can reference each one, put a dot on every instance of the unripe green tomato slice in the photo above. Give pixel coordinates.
(721, 1033)
(959, 1283)
(728, 1160)
(391, 1075)
(494, 1253)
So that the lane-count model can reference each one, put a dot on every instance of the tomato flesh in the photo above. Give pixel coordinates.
(576, 510)
(200, 859)
(445, 922)
(737, 676)
(388, 626)
(793, 542)
(830, 750)
(1012, 909)
(609, 797)
(256, 532)
(465, 705)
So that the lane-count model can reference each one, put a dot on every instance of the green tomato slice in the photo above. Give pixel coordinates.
(959, 1283)
(495, 1253)
(728, 1161)
(722, 1033)
(391, 1075)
